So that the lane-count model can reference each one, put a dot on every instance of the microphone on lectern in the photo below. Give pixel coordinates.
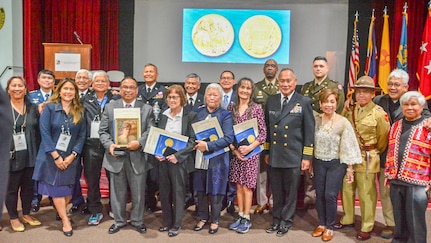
(77, 37)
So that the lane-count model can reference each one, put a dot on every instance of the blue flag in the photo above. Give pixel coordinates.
(402, 51)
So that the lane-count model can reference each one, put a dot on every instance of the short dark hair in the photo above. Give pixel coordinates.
(320, 58)
(45, 71)
(228, 71)
(128, 77)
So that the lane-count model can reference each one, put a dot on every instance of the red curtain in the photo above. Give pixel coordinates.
(416, 11)
(54, 21)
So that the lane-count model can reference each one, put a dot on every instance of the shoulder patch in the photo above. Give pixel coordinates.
(340, 86)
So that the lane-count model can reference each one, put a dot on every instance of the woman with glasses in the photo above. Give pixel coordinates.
(175, 166)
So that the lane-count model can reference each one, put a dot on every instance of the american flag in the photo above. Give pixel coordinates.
(354, 58)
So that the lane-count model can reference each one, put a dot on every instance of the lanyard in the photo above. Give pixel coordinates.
(15, 119)
(102, 102)
(66, 120)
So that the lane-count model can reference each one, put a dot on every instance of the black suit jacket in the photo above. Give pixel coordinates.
(290, 131)
(5, 143)
(156, 94)
(185, 156)
(198, 103)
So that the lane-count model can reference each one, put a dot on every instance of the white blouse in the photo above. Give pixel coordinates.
(336, 140)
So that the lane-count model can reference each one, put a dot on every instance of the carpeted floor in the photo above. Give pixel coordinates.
(305, 222)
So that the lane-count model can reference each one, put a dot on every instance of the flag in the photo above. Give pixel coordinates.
(354, 59)
(424, 62)
(370, 63)
(385, 56)
(402, 51)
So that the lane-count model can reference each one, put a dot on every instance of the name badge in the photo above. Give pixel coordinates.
(94, 131)
(63, 142)
(19, 142)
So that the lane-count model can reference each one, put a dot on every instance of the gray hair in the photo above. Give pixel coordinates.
(214, 86)
(89, 74)
(193, 75)
(412, 94)
(400, 74)
(100, 73)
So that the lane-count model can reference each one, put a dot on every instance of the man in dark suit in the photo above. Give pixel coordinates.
(5, 143)
(152, 93)
(227, 81)
(128, 168)
(46, 81)
(290, 122)
(195, 100)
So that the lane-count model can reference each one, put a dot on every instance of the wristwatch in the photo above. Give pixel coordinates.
(75, 154)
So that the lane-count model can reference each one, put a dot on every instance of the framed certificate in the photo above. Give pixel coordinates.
(246, 133)
(163, 143)
(209, 130)
(127, 125)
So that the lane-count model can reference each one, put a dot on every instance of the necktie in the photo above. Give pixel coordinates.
(128, 106)
(285, 102)
(148, 90)
(190, 101)
(81, 95)
(46, 97)
(226, 101)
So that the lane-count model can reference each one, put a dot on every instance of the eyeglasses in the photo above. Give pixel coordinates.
(226, 78)
(129, 87)
(270, 65)
(176, 97)
(396, 85)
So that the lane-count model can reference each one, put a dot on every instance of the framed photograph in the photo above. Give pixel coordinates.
(127, 125)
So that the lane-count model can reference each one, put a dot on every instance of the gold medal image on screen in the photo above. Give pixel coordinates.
(260, 36)
(212, 35)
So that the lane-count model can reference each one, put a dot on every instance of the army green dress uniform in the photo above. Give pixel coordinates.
(312, 90)
(372, 124)
(263, 89)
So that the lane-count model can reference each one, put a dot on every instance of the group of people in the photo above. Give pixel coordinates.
(343, 146)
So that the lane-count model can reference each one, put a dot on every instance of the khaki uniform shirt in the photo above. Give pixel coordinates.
(372, 123)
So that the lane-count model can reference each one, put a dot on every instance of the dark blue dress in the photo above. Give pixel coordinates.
(53, 181)
(218, 167)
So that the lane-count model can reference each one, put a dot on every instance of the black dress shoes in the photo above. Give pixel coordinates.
(114, 228)
(230, 208)
(68, 233)
(35, 206)
(339, 225)
(163, 228)
(141, 228)
(282, 230)
(213, 231)
(76, 208)
(174, 231)
(272, 229)
(200, 225)
(85, 210)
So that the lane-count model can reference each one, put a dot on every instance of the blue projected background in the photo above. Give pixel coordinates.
(226, 47)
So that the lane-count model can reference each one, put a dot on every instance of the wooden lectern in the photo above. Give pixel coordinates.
(66, 59)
